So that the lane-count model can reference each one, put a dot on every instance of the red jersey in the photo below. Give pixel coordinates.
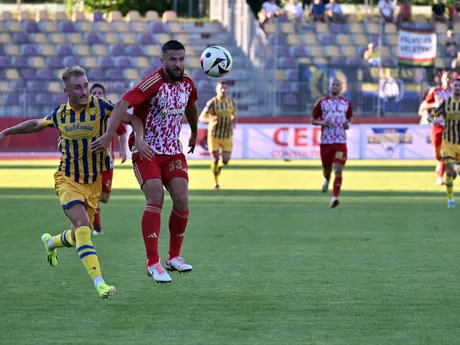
(437, 95)
(161, 106)
(338, 111)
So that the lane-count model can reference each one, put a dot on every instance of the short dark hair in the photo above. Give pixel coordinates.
(172, 45)
(222, 82)
(95, 85)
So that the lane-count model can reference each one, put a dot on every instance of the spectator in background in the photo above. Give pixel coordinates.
(405, 13)
(371, 55)
(269, 10)
(296, 11)
(452, 9)
(439, 12)
(334, 12)
(387, 8)
(450, 51)
(318, 11)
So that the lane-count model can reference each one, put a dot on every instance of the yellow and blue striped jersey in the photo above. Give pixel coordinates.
(77, 131)
(450, 108)
(223, 108)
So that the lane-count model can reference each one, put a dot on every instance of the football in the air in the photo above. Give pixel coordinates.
(216, 61)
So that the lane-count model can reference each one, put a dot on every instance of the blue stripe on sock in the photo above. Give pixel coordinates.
(86, 246)
(64, 240)
(86, 254)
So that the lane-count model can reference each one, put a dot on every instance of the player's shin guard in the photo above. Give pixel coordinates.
(151, 224)
(97, 219)
(63, 240)
(86, 251)
(450, 187)
(177, 226)
(337, 186)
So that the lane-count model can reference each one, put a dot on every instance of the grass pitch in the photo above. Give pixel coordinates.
(272, 263)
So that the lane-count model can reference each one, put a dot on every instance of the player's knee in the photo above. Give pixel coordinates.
(79, 223)
(154, 193)
(180, 201)
(225, 161)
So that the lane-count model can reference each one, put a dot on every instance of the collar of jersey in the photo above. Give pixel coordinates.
(69, 107)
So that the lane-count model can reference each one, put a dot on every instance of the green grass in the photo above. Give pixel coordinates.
(272, 264)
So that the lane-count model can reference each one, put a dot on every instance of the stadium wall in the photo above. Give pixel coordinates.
(274, 138)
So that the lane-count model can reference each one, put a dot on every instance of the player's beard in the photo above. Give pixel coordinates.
(174, 76)
(334, 93)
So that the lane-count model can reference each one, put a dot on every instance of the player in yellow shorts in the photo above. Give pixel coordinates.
(450, 147)
(220, 114)
(78, 179)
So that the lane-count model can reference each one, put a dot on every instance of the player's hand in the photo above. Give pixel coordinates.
(192, 143)
(2, 136)
(327, 123)
(214, 120)
(123, 157)
(144, 149)
(346, 125)
(101, 144)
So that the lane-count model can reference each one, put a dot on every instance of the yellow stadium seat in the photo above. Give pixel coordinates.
(12, 74)
(75, 38)
(442, 39)
(140, 27)
(6, 15)
(114, 16)
(287, 28)
(54, 87)
(182, 38)
(57, 38)
(152, 16)
(128, 39)
(280, 74)
(169, 16)
(175, 28)
(91, 62)
(395, 51)
(353, 17)
(153, 50)
(48, 50)
(441, 28)
(132, 74)
(85, 27)
(310, 39)
(79, 16)
(439, 63)
(331, 51)
(320, 61)
(304, 60)
(391, 28)
(343, 39)
(269, 28)
(349, 51)
(322, 28)
(13, 50)
(120, 26)
(5, 38)
(100, 50)
(40, 38)
(392, 39)
(133, 16)
(385, 52)
(61, 16)
(112, 38)
(42, 15)
(13, 26)
(293, 39)
(420, 18)
(83, 50)
(316, 51)
(5, 86)
(50, 27)
(356, 28)
(102, 27)
(361, 40)
(163, 38)
(38, 62)
(372, 28)
(193, 62)
(24, 15)
(142, 62)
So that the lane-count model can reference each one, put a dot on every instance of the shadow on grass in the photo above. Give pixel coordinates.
(243, 193)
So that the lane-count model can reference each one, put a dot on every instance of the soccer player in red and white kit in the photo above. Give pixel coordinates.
(433, 100)
(159, 102)
(98, 90)
(334, 114)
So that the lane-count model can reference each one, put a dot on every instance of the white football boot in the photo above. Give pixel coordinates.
(325, 186)
(178, 264)
(158, 273)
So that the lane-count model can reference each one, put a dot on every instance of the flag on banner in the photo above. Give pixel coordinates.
(417, 45)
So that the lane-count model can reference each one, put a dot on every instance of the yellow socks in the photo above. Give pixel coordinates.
(63, 240)
(86, 251)
(215, 170)
(450, 187)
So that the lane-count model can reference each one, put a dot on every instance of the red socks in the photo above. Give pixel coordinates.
(151, 225)
(97, 220)
(177, 225)
(337, 186)
(442, 168)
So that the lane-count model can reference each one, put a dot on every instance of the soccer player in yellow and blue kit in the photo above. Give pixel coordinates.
(450, 147)
(78, 181)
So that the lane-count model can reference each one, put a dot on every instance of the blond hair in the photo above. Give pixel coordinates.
(74, 71)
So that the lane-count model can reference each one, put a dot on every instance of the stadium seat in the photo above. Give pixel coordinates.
(114, 16)
(349, 51)
(55, 62)
(175, 28)
(112, 38)
(97, 16)
(13, 50)
(280, 74)
(12, 74)
(310, 39)
(441, 28)
(133, 16)
(135, 50)
(102, 27)
(293, 39)
(6, 15)
(5, 61)
(321, 28)
(162, 38)
(183, 39)
(356, 28)
(343, 39)
(57, 38)
(128, 39)
(84, 27)
(61, 16)
(152, 50)
(269, 28)
(169, 16)
(82, 50)
(28, 50)
(117, 50)
(390, 28)
(316, 51)
(158, 28)
(100, 50)
(30, 27)
(124, 62)
(38, 62)
(139, 27)
(71, 61)
(142, 62)
(193, 62)
(287, 28)
(90, 62)
(12, 26)
(5, 38)
(152, 16)
(74, 38)
(120, 26)
(50, 27)
(42, 15)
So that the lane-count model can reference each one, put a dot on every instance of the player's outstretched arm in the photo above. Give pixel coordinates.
(123, 138)
(26, 127)
(144, 149)
(118, 114)
(191, 113)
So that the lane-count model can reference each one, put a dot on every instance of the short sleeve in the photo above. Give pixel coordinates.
(108, 106)
(349, 111)
(317, 111)
(439, 110)
(144, 91)
(430, 97)
(194, 95)
(49, 120)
